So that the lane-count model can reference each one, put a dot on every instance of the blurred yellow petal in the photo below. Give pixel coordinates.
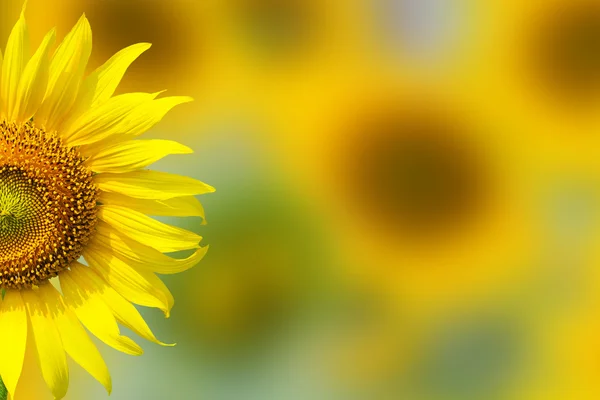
(144, 229)
(136, 286)
(51, 354)
(187, 206)
(76, 341)
(151, 185)
(85, 299)
(13, 339)
(134, 154)
(142, 256)
(66, 70)
(34, 80)
(15, 59)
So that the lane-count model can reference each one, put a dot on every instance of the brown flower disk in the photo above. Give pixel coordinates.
(47, 205)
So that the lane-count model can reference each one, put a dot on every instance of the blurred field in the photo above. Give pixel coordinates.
(407, 200)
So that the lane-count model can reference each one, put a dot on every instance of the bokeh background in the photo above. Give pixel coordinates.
(406, 205)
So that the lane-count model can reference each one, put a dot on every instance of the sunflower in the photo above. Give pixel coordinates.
(427, 187)
(72, 185)
(539, 60)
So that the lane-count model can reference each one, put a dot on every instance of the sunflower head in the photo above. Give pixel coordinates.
(47, 205)
(74, 185)
(564, 44)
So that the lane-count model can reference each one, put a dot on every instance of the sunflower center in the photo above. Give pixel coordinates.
(47, 205)
(423, 176)
(568, 49)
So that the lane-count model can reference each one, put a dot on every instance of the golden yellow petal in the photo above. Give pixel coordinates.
(164, 238)
(143, 257)
(13, 340)
(15, 59)
(101, 84)
(139, 287)
(131, 155)
(151, 185)
(104, 120)
(76, 341)
(187, 206)
(51, 354)
(123, 310)
(32, 86)
(66, 70)
(85, 299)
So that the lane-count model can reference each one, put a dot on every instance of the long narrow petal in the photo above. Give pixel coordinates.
(32, 86)
(104, 120)
(164, 238)
(151, 113)
(2, 106)
(102, 83)
(13, 339)
(138, 121)
(123, 310)
(143, 257)
(187, 206)
(136, 286)
(66, 71)
(15, 59)
(134, 154)
(85, 299)
(151, 185)
(51, 354)
(75, 340)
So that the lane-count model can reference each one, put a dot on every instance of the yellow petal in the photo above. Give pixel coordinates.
(139, 287)
(151, 113)
(85, 299)
(143, 257)
(140, 120)
(162, 288)
(66, 70)
(152, 185)
(13, 340)
(164, 238)
(134, 154)
(102, 83)
(103, 121)
(76, 341)
(32, 86)
(123, 310)
(15, 59)
(51, 354)
(187, 206)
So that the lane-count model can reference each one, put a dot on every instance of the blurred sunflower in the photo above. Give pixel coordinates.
(280, 47)
(541, 61)
(426, 184)
(73, 184)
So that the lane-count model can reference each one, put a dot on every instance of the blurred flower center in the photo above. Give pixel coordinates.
(569, 49)
(416, 172)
